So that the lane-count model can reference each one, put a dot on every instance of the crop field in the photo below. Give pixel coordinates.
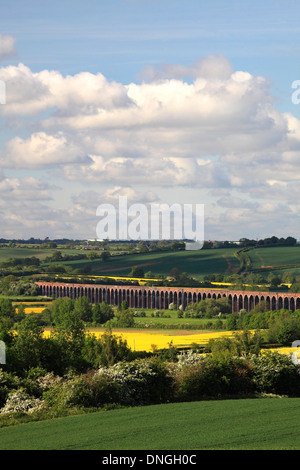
(149, 340)
(275, 257)
(17, 252)
(141, 340)
(245, 424)
(196, 263)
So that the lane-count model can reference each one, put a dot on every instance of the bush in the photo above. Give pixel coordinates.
(275, 373)
(8, 382)
(19, 401)
(140, 382)
(104, 389)
(211, 378)
(70, 392)
(284, 329)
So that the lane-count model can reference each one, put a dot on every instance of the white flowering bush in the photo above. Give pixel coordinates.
(139, 382)
(275, 373)
(19, 401)
(48, 381)
(189, 357)
(66, 393)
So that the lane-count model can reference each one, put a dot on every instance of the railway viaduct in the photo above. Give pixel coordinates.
(161, 297)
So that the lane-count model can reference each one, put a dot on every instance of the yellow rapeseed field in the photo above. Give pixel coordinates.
(149, 340)
(32, 309)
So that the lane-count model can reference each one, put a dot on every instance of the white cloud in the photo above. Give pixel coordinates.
(7, 46)
(41, 149)
(218, 132)
(210, 67)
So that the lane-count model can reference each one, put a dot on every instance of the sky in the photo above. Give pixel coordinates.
(161, 101)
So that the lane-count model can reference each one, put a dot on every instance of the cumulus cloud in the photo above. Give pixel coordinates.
(218, 133)
(29, 93)
(41, 149)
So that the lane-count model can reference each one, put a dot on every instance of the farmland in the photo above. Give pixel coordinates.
(197, 264)
(264, 424)
(276, 259)
(154, 335)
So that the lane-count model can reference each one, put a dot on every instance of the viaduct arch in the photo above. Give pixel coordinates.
(161, 297)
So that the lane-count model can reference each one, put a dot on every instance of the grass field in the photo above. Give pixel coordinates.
(246, 424)
(197, 263)
(17, 252)
(275, 256)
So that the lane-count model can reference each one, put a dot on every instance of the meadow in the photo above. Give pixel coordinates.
(261, 424)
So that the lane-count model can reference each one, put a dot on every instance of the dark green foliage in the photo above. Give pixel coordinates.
(275, 373)
(102, 313)
(212, 378)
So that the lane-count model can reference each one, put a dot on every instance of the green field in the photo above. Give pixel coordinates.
(196, 263)
(258, 424)
(23, 252)
(275, 257)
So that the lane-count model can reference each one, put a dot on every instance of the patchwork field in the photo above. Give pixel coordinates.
(196, 263)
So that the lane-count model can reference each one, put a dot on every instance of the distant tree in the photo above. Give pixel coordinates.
(102, 312)
(125, 318)
(28, 345)
(284, 329)
(175, 273)
(84, 308)
(105, 255)
(6, 308)
(61, 309)
(123, 305)
(137, 272)
(68, 337)
(113, 349)
(274, 280)
(149, 275)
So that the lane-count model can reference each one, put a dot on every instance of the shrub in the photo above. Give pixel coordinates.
(104, 389)
(68, 393)
(211, 378)
(284, 329)
(275, 373)
(8, 382)
(20, 401)
(140, 382)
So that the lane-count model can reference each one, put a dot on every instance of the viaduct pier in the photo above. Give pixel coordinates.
(162, 297)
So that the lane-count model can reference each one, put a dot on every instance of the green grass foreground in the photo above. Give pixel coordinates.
(246, 424)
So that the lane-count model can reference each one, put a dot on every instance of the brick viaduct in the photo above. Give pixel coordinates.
(161, 297)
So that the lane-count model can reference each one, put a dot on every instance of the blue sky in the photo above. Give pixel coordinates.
(163, 100)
